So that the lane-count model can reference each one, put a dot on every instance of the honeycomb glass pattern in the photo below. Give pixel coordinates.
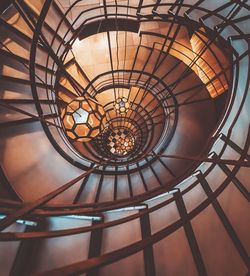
(122, 105)
(121, 141)
(83, 119)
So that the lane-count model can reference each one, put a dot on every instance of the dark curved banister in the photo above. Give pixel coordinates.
(58, 233)
(126, 251)
(122, 253)
(107, 206)
(30, 115)
(205, 159)
(29, 207)
(117, 205)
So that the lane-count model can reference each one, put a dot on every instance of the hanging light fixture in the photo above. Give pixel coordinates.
(83, 119)
(121, 141)
(122, 105)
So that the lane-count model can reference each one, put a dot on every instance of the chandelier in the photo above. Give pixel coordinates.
(122, 105)
(83, 119)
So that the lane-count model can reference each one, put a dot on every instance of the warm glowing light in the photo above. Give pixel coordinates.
(121, 141)
(83, 119)
(122, 105)
(208, 67)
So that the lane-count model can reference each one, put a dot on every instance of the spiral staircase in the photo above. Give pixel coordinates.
(172, 199)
